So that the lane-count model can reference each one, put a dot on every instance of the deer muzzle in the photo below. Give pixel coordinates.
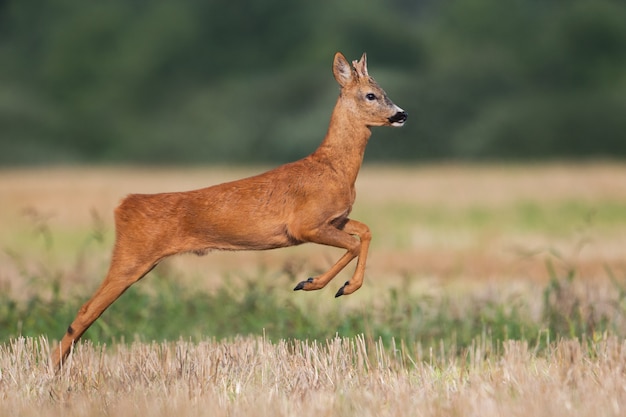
(399, 118)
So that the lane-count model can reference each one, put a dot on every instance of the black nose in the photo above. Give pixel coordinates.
(399, 117)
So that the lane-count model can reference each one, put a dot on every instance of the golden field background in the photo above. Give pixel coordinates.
(434, 222)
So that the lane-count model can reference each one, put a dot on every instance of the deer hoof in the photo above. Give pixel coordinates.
(340, 292)
(302, 284)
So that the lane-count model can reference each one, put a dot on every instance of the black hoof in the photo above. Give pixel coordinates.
(340, 292)
(301, 285)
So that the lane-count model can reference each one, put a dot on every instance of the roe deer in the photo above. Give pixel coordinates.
(304, 201)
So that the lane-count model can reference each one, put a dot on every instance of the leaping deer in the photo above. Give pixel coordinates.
(304, 201)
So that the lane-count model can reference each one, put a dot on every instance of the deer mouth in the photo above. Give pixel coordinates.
(398, 119)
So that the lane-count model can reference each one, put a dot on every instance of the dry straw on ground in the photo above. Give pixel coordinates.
(343, 377)
(253, 377)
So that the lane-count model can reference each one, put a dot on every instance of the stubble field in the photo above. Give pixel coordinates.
(490, 290)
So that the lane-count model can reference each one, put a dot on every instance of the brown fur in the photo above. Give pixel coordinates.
(304, 201)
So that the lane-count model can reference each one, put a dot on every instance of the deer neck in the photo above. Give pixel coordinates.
(344, 145)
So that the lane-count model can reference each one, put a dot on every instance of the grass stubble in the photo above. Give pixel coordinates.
(454, 246)
(344, 376)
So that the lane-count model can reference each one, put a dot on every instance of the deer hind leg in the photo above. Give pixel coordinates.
(134, 255)
(118, 280)
(343, 238)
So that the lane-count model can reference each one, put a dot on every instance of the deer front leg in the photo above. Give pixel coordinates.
(341, 238)
(365, 236)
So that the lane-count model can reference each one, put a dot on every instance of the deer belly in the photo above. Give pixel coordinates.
(243, 236)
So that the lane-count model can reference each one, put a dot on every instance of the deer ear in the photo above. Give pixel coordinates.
(341, 70)
(360, 66)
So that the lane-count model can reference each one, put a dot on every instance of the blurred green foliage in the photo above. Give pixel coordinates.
(255, 306)
(233, 81)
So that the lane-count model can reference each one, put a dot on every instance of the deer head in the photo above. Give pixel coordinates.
(363, 97)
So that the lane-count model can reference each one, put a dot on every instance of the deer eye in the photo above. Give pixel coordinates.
(370, 96)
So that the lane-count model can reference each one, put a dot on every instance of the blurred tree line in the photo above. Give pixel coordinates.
(203, 81)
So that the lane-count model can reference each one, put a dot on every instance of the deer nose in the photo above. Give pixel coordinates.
(399, 118)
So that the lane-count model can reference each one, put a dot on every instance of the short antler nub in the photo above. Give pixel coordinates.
(360, 66)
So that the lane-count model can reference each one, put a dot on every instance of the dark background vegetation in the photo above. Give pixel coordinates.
(180, 82)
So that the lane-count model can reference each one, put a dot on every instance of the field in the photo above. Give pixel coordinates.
(490, 290)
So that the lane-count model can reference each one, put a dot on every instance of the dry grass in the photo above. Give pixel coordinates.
(344, 377)
(253, 377)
